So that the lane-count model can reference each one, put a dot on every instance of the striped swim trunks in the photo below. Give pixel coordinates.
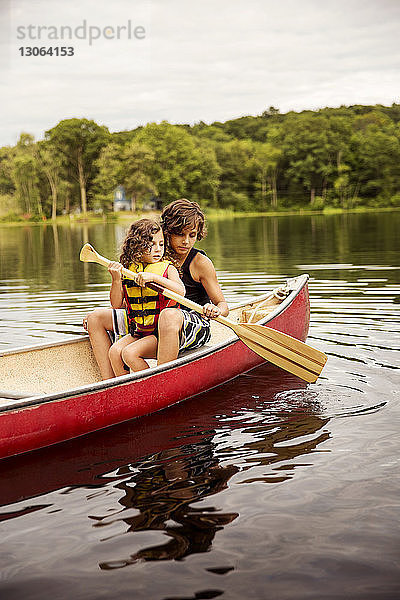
(120, 323)
(195, 332)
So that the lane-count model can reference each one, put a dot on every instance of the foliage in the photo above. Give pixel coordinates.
(332, 158)
(78, 143)
(25, 176)
(127, 165)
(182, 166)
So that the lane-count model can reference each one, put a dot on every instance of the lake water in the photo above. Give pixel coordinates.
(264, 488)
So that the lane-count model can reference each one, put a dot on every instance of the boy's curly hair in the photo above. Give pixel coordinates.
(181, 214)
(137, 241)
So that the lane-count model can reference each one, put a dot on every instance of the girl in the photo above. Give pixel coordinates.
(142, 252)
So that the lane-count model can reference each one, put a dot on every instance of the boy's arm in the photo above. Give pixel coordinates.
(172, 282)
(208, 278)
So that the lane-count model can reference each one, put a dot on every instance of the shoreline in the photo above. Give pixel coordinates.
(212, 214)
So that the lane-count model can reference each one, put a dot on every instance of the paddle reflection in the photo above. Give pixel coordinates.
(279, 449)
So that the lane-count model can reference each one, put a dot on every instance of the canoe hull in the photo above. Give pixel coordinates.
(44, 421)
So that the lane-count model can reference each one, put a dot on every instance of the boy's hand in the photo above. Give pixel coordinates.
(211, 311)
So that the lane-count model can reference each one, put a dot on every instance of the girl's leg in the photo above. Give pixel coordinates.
(98, 322)
(169, 327)
(115, 354)
(134, 354)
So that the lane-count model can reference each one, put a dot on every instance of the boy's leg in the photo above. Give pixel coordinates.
(115, 354)
(98, 322)
(134, 354)
(169, 327)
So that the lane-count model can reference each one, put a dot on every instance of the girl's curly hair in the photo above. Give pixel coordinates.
(137, 241)
(178, 216)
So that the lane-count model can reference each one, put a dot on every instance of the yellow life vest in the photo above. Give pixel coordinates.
(143, 305)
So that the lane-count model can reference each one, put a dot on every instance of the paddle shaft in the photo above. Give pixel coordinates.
(166, 292)
(241, 329)
(283, 350)
(271, 344)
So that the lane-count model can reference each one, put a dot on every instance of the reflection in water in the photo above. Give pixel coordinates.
(164, 492)
(289, 441)
(57, 254)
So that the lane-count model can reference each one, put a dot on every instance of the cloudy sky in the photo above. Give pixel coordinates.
(192, 60)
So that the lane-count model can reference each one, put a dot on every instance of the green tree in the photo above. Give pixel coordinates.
(341, 183)
(110, 173)
(211, 132)
(129, 165)
(378, 153)
(266, 161)
(6, 160)
(25, 175)
(236, 159)
(79, 142)
(51, 164)
(138, 167)
(7, 187)
(315, 146)
(304, 146)
(179, 167)
(205, 189)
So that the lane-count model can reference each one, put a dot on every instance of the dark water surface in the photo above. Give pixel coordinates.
(263, 488)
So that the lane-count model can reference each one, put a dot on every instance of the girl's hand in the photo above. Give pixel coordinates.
(114, 269)
(211, 311)
(143, 279)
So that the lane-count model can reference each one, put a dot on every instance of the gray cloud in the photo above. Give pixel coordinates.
(209, 60)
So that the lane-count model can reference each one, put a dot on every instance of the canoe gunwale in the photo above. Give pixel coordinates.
(296, 285)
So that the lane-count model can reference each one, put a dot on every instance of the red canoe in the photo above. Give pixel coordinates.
(52, 393)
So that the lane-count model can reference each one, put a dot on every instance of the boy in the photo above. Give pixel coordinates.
(180, 329)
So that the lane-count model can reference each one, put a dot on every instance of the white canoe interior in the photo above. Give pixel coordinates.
(55, 367)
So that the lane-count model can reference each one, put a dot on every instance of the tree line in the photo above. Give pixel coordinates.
(334, 157)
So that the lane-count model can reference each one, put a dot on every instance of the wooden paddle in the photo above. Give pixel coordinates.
(276, 347)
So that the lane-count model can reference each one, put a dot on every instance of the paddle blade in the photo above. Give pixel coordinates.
(88, 254)
(286, 352)
(290, 343)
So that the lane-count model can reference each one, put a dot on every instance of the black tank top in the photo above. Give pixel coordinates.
(194, 289)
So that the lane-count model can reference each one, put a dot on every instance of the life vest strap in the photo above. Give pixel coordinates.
(144, 313)
(142, 299)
